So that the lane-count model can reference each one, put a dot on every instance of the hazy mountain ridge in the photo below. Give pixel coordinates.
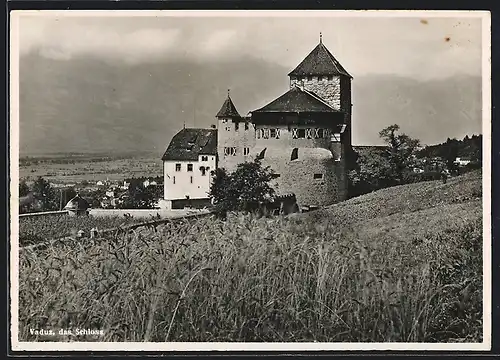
(91, 105)
(431, 111)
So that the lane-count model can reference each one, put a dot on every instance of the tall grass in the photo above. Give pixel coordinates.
(280, 279)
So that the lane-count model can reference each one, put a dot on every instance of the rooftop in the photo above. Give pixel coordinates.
(228, 109)
(77, 203)
(320, 61)
(189, 143)
(297, 100)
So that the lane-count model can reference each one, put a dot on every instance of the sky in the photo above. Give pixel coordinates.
(417, 47)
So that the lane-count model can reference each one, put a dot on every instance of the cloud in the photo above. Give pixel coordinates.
(218, 43)
(401, 46)
(63, 41)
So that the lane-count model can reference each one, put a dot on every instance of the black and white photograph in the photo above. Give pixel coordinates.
(250, 180)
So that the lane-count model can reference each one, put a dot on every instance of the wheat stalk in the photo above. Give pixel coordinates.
(183, 294)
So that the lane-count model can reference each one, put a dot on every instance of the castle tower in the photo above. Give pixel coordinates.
(321, 74)
(304, 135)
(235, 134)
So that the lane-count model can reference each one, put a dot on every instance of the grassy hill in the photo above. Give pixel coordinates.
(402, 264)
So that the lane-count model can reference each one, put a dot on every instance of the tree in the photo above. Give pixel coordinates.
(49, 196)
(24, 189)
(372, 172)
(221, 200)
(381, 167)
(401, 150)
(140, 197)
(247, 189)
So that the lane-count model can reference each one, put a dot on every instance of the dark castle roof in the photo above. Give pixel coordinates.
(320, 61)
(297, 100)
(228, 109)
(188, 144)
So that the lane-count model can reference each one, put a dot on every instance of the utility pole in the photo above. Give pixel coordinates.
(61, 201)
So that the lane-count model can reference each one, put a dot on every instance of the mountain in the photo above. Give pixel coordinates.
(94, 105)
(90, 105)
(431, 111)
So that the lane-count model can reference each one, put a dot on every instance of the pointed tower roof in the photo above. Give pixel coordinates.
(320, 61)
(228, 109)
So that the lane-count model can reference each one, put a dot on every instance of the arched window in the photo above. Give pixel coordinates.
(262, 154)
(295, 154)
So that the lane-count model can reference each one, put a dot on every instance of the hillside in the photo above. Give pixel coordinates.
(403, 264)
(92, 105)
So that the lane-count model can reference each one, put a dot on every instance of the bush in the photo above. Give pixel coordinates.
(247, 189)
(411, 178)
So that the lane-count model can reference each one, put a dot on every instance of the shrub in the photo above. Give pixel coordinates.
(410, 177)
(247, 189)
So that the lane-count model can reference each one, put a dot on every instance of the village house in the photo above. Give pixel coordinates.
(187, 165)
(304, 135)
(462, 161)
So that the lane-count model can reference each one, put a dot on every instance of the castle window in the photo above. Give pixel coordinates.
(318, 133)
(191, 179)
(246, 125)
(190, 167)
(177, 167)
(274, 133)
(246, 151)
(203, 171)
(237, 126)
(204, 158)
(230, 151)
(295, 154)
(228, 128)
(309, 78)
(330, 77)
(174, 179)
(299, 133)
(335, 137)
(318, 176)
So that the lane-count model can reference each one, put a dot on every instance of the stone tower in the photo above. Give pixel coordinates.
(235, 136)
(323, 75)
(305, 134)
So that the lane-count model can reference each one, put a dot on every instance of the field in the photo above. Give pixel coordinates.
(38, 229)
(89, 167)
(398, 265)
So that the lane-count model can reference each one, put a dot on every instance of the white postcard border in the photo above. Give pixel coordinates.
(194, 347)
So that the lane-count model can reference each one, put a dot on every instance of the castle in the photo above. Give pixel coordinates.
(304, 136)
